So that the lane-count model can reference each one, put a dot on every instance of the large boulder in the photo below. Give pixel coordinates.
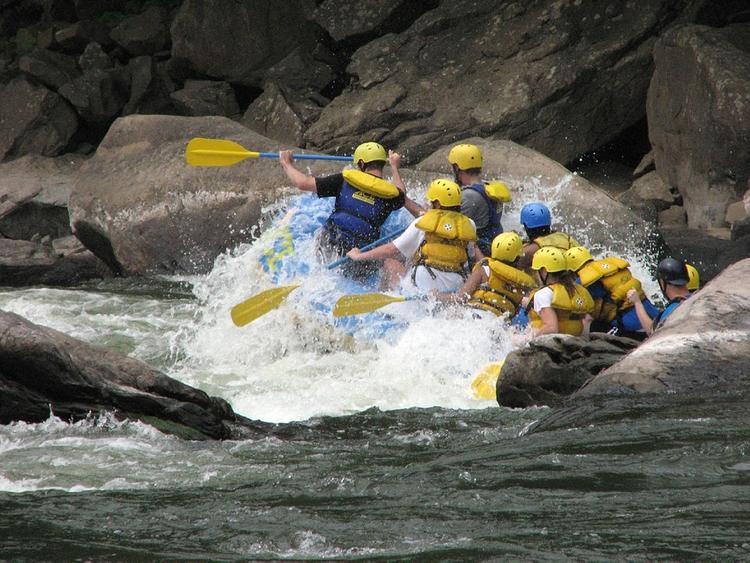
(345, 21)
(238, 41)
(34, 120)
(42, 369)
(578, 207)
(562, 77)
(698, 104)
(60, 262)
(552, 367)
(703, 345)
(34, 192)
(142, 209)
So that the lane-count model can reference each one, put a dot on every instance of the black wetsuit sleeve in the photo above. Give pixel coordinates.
(329, 186)
(397, 202)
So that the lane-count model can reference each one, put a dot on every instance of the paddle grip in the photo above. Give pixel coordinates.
(307, 156)
(378, 242)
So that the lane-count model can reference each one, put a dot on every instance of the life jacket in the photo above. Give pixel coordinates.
(361, 209)
(504, 290)
(616, 278)
(558, 240)
(446, 239)
(570, 310)
(662, 315)
(493, 193)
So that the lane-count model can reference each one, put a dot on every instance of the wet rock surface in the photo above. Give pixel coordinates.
(42, 370)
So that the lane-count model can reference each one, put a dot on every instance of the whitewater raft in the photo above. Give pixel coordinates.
(288, 256)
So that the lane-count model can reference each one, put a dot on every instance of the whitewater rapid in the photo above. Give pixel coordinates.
(293, 363)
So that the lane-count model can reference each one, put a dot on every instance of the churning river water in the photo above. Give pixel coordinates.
(380, 450)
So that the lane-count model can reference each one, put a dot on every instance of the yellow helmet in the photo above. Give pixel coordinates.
(465, 156)
(369, 152)
(506, 247)
(694, 278)
(447, 192)
(577, 257)
(551, 258)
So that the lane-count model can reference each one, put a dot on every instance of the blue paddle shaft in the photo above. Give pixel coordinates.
(378, 242)
(307, 156)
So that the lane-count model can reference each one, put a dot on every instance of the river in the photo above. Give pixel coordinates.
(379, 449)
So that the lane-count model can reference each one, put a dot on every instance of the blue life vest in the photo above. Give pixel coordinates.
(661, 316)
(357, 218)
(486, 234)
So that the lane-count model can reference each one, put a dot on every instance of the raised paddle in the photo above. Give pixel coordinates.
(260, 304)
(361, 303)
(221, 152)
(485, 383)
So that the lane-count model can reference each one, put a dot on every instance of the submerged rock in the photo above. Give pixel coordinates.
(42, 369)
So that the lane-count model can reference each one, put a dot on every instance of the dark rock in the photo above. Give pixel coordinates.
(76, 36)
(98, 95)
(704, 344)
(709, 254)
(140, 208)
(25, 263)
(552, 367)
(206, 97)
(271, 115)
(741, 229)
(649, 189)
(42, 369)
(34, 192)
(33, 120)
(141, 80)
(344, 21)
(263, 33)
(87, 9)
(50, 68)
(561, 78)
(302, 69)
(645, 166)
(94, 57)
(144, 33)
(698, 104)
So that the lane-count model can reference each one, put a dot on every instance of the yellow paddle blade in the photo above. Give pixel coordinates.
(260, 304)
(485, 383)
(216, 152)
(363, 303)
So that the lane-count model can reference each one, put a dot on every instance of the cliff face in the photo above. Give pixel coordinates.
(560, 77)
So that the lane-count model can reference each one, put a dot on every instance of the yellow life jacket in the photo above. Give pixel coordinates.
(504, 290)
(497, 191)
(371, 184)
(446, 239)
(558, 240)
(570, 310)
(617, 279)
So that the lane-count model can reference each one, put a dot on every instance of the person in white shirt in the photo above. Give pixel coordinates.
(435, 245)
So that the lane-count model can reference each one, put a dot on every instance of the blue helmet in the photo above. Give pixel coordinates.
(535, 215)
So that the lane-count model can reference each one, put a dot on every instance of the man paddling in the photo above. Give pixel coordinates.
(364, 200)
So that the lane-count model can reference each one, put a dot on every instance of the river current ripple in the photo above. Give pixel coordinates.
(435, 483)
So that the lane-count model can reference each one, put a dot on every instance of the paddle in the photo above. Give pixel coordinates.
(260, 304)
(378, 242)
(220, 152)
(485, 383)
(360, 303)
